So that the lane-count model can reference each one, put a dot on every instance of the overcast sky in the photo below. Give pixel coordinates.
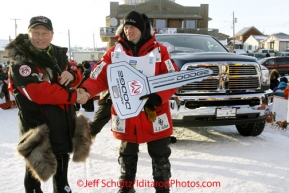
(84, 18)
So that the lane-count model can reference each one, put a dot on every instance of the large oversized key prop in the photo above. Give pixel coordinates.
(126, 85)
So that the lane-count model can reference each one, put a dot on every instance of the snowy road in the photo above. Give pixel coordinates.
(216, 157)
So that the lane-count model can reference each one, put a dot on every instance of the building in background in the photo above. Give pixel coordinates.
(254, 42)
(241, 36)
(134, 2)
(277, 41)
(165, 16)
(3, 54)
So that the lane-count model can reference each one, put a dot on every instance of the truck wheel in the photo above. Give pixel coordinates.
(252, 129)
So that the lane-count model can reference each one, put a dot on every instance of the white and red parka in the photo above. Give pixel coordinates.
(137, 129)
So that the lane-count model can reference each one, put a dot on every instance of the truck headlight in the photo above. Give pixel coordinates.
(265, 79)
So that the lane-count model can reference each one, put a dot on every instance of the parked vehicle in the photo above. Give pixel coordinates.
(259, 56)
(282, 54)
(239, 51)
(237, 93)
(269, 51)
(280, 63)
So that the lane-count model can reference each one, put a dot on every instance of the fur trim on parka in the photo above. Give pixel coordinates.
(35, 147)
(82, 139)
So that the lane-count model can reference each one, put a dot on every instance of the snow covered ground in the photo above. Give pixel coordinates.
(217, 158)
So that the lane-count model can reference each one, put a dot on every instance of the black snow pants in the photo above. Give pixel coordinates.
(159, 151)
(101, 118)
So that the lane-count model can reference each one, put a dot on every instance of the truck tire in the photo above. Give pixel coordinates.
(252, 129)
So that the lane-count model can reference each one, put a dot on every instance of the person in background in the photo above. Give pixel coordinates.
(274, 82)
(4, 81)
(89, 105)
(43, 81)
(102, 115)
(267, 55)
(137, 45)
(286, 92)
(92, 64)
(279, 90)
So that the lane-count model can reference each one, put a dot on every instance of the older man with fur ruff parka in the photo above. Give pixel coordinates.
(42, 82)
(137, 46)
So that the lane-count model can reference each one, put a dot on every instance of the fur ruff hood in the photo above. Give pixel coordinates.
(20, 50)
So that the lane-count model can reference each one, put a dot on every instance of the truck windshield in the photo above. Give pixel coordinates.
(191, 43)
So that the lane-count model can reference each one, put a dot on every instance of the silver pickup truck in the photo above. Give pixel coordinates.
(237, 93)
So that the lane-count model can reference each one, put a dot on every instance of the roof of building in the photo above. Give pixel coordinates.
(260, 37)
(237, 42)
(165, 9)
(280, 33)
(245, 30)
(167, 15)
(281, 37)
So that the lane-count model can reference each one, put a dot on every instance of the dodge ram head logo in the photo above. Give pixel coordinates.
(135, 87)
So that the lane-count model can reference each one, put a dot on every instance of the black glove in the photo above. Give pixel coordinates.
(153, 100)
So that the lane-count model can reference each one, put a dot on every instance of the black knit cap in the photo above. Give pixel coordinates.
(135, 19)
(40, 20)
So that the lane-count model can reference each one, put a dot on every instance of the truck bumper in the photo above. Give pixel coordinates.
(208, 116)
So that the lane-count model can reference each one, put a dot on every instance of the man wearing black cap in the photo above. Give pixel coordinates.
(137, 46)
(43, 81)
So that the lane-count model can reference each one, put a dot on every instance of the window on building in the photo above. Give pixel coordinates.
(271, 45)
(160, 24)
(262, 45)
(250, 47)
(134, 2)
(190, 24)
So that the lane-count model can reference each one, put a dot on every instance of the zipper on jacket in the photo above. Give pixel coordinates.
(135, 51)
(134, 132)
(67, 114)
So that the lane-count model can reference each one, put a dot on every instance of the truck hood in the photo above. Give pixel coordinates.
(211, 56)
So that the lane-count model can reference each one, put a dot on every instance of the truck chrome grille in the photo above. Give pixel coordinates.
(208, 84)
(243, 83)
(225, 77)
(242, 70)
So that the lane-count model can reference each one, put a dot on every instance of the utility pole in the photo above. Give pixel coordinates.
(15, 26)
(233, 30)
(69, 45)
(93, 43)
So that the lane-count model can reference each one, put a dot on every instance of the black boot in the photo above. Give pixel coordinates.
(60, 182)
(127, 176)
(31, 184)
(161, 174)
